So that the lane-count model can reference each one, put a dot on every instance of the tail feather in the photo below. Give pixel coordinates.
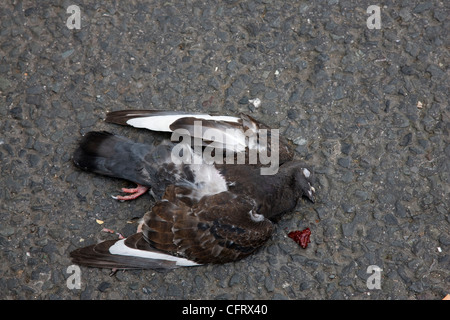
(107, 154)
(93, 147)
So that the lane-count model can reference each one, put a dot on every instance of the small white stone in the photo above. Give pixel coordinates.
(256, 102)
(300, 141)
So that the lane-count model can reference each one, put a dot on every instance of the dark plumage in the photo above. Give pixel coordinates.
(204, 213)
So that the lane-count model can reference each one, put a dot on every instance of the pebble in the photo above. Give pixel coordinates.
(339, 93)
(255, 102)
(7, 231)
(103, 286)
(420, 8)
(344, 162)
(4, 84)
(33, 100)
(300, 141)
(16, 113)
(35, 90)
(271, 95)
(67, 53)
(235, 279)
(269, 284)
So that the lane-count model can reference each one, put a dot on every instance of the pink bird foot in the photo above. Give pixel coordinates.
(134, 193)
(112, 231)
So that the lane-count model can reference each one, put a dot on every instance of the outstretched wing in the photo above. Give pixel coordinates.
(237, 134)
(157, 120)
(219, 228)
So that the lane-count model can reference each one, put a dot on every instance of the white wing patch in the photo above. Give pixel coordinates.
(119, 248)
(162, 123)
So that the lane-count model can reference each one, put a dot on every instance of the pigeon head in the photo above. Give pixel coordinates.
(304, 179)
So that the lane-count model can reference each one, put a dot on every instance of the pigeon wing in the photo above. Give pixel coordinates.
(238, 134)
(217, 229)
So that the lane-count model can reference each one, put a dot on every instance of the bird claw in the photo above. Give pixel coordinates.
(113, 272)
(112, 231)
(133, 193)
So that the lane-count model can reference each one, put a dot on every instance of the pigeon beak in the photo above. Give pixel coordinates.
(311, 195)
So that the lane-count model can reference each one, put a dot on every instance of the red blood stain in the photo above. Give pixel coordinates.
(301, 237)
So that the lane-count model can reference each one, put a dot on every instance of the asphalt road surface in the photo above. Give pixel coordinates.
(363, 97)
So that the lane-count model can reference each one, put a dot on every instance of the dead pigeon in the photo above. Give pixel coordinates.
(204, 212)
